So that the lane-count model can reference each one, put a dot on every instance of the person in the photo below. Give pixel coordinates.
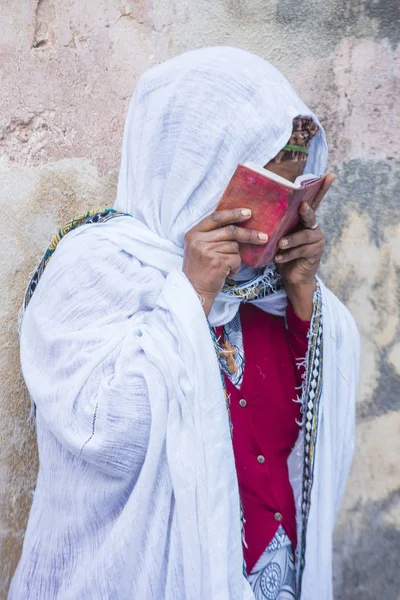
(194, 416)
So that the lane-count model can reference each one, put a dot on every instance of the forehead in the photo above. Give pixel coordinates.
(288, 170)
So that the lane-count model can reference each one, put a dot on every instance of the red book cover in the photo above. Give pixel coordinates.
(274, 203)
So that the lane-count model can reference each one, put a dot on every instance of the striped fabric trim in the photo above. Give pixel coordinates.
(312, 395)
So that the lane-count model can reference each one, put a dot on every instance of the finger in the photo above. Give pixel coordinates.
(328, 180)
(238, 234)
(300, 238)
(220, 218)
(309, 251)
(227, 247)
(232, 264)
(307, 215)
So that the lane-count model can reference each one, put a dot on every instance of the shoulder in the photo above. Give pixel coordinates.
(89, 272)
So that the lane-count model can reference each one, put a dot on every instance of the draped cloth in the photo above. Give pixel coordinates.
(137, 494)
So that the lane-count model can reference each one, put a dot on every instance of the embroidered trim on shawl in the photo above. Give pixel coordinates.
(266, 282)
(312, 389)
(232, 333)
(89, 217)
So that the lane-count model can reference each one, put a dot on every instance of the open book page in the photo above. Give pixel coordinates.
(297, 184)
(304, 179)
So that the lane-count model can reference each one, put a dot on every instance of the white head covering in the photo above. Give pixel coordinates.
(191, 121)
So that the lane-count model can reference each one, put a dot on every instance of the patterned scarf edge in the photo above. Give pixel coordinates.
(311, 396)
(267, 281)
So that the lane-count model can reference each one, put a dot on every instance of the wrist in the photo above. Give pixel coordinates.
(301, 296)
(206, 298)
(206, 302)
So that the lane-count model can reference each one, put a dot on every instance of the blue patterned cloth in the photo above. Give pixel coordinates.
(263, 282)
(274, 576)
(232, 332)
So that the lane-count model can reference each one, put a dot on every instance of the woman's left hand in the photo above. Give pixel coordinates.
(300, 253)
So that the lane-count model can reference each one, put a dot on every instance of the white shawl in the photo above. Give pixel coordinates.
(137, 495)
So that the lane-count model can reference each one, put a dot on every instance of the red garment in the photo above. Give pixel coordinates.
(264, 424)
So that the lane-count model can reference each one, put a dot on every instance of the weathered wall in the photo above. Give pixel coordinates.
(67, 71)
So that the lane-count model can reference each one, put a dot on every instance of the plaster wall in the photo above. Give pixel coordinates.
(67, 71)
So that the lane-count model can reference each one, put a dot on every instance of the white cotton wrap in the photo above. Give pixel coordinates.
(137, 494)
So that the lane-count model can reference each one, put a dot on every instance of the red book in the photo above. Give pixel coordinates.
(274, 202)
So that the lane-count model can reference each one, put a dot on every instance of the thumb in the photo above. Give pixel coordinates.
(307, 215)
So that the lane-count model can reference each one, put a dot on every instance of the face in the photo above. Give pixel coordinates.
(288, 170)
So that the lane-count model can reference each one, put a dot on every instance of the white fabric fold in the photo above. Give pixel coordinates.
(137, 490)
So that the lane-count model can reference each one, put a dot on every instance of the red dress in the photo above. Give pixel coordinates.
(265, 430)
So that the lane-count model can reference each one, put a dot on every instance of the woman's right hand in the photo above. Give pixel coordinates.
(212, 251)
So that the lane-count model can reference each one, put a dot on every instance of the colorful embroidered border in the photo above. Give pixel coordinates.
(267, 281)
(85, 219)
(312, 396)
(232, 332)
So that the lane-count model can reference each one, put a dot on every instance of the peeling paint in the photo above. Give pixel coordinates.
(367, 537)
(366, 561)
(372, 189)
(364, 273)
(387, 15)
(45, 16)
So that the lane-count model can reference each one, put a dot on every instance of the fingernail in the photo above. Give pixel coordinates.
(308, 208)
(246, 212)
(284, 242)
(278, 257)
(263, 236)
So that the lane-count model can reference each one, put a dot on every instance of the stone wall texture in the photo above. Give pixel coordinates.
(67, 71)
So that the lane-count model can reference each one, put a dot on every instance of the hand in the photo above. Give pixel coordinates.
(212, 251)
(300, 254)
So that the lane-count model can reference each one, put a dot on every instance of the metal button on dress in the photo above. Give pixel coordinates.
(278, 516)
(243, 402)
(261, 459)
